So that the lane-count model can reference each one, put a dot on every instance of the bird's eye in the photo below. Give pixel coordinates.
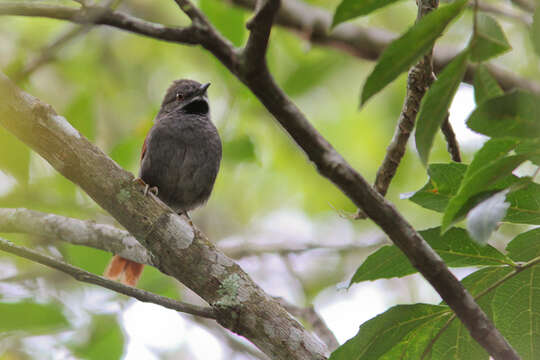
(179, 97)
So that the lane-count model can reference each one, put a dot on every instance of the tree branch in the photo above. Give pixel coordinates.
(178, 249)
(451, 141)
(259, 27)
(418, 82)
(106, 16)
(186, 254)
(120, 242)
(78, 232)
(85, 276)
(317, 323)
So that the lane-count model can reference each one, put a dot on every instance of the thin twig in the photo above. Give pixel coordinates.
(451, 140)
(85, 276)
(259, 32)
(418, 81)
(313, 318)
(48, 53)
(504, 11)
(526, 5)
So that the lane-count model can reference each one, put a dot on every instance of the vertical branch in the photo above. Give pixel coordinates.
(451, 141)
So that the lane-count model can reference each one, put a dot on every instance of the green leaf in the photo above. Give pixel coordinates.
(455, 247)
(524, 204)
(516, 312)
(31, 317)
(535, 30)
(455, 342)
(484, 218)
(435, 104)
(478, 186)
(381, 334)
(444, 182)
(489, 41)
(514, 114)
(530, 147)
(350, 9)
(491, 151)
(405, 51)
(106, 340)
(240, 149)
(485, 86)
(525, 246)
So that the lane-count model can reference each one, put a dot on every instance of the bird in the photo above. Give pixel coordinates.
(180, 160)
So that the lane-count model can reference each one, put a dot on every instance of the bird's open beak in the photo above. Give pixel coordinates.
(203, 88)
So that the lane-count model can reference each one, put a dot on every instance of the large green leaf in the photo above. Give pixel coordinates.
(525, 246)
(31, 317)
(455, 342)
(403, 52)
(380, 335)
(479, 186)
(106, 340)
(349, 9)
(530, 147)
(435, 104)
(455, 247)
(485, 86)
(444, 182)
(489, 40)
(524, 204)
(515, 114)
(516, 312)
(491, 151)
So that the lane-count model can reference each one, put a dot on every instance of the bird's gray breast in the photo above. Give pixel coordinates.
(182, 159)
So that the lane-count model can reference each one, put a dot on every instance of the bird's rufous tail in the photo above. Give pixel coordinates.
(126, 271)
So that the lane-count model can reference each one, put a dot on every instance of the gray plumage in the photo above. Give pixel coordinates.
(182, 151)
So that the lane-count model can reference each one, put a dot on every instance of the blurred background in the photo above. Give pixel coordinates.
(287, 226)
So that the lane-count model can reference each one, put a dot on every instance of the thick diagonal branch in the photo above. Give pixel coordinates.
(87, 277)
(178, 249)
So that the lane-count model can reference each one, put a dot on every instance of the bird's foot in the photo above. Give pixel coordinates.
(150, 189)
(147, 188)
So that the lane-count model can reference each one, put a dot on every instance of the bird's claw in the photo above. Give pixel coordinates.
(147, 188)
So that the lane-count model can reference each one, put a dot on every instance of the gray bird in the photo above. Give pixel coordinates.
(179, 161)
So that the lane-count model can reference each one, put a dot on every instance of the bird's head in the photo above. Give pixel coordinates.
(187, 96)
